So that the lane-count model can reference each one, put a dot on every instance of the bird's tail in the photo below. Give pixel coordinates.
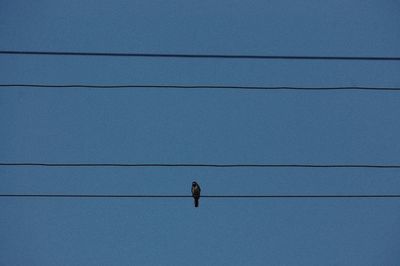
(196, 202)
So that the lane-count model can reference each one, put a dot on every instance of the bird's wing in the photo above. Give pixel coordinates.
(196, 190)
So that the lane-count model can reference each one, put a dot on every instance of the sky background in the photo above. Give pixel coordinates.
(200, 126)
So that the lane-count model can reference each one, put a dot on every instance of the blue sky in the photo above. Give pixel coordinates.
(199, 126)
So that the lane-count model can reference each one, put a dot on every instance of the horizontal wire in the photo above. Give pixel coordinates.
(390, 166)
(133, 86)
(360, 196)
(210, 56)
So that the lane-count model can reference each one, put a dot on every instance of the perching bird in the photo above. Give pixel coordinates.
(196, 193)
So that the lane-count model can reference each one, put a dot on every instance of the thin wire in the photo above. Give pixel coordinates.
(204, 56)
(17, 164)
(349, 196)
(222, 87)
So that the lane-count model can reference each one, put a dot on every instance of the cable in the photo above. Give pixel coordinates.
(392, 166)
(360, 196)
(208, 56)
(132, 86)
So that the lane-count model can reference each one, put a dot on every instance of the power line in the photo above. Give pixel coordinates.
(17, 164)
(203, 56)
(222, 87)
(332, 196)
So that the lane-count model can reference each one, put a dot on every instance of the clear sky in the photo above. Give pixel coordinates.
(199, 126)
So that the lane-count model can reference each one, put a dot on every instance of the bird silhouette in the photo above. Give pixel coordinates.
(196, 193)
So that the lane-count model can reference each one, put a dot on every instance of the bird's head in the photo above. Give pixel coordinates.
(194, 184)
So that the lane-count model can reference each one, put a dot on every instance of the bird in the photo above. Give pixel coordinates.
(196, 193)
